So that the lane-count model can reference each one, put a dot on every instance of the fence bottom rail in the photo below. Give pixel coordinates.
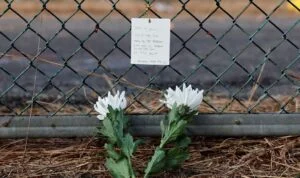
(233, 125)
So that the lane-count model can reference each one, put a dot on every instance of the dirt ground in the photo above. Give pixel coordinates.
(210, 157)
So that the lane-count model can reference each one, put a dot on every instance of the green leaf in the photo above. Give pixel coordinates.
(114, 128)
(118, 169)
(183, 142)
(172, 128)
(111, 152)
(173, 114)
(175, 130)
(175, 157)
(183, 110)
(128, 145)
(189, 116)
(114, 125)
(108, 131)
(157, 162)
(119, 124)
(112, 114)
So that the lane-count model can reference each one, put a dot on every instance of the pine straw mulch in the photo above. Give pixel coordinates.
(210, 157)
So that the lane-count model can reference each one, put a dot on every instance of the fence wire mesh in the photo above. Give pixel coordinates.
(56, 57)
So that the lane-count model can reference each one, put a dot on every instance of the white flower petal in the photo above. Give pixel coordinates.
(101, 117)
(117, 101)
(187, 96)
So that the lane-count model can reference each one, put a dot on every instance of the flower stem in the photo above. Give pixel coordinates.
(173, 128)
(131, 168)
(120, 144)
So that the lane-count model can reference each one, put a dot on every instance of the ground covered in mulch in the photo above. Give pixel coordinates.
(210, 157)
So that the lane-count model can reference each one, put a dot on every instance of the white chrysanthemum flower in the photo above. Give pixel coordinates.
(117, 102)
(187, 96)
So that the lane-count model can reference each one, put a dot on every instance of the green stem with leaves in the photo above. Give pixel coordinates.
(120, 146)
(173, 132)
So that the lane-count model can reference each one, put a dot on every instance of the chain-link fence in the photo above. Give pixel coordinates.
(58, 56)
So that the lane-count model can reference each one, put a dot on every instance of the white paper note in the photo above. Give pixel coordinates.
(150, 41)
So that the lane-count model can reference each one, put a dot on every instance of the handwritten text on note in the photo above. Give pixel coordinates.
(150, 41)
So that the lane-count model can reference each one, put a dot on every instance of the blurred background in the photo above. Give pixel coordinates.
(57, 56)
